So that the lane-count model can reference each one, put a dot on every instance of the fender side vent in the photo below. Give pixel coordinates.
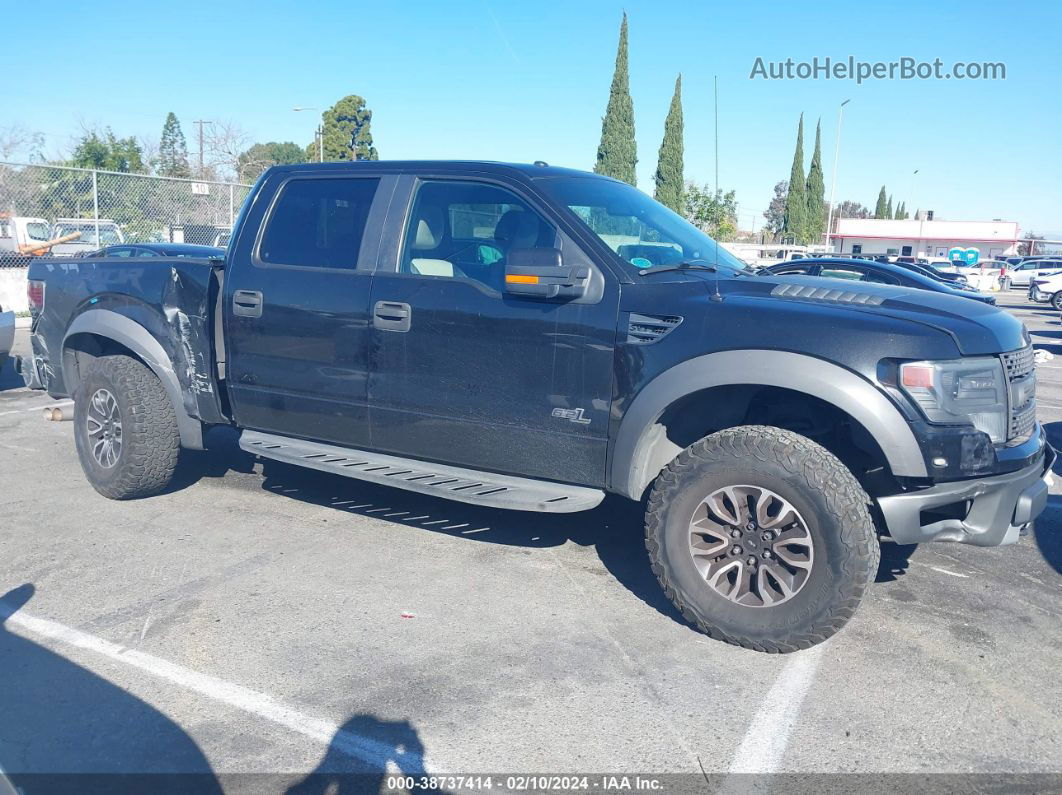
(827, 294)
(646, 329)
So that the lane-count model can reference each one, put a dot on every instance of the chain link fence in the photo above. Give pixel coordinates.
(63, 211)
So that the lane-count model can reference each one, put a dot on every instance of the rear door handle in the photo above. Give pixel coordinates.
(391, 316)
(247, 303)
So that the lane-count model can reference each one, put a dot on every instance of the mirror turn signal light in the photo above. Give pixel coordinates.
(520, 278)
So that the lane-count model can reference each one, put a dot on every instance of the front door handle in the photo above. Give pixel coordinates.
(247, 303)
(391, 316)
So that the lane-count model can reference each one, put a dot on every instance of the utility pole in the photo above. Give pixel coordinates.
(201, 122)
(318, 133)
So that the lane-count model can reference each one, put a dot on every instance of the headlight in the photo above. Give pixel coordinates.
(960, 391)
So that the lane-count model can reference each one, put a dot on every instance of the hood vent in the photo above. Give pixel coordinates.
(827, 294)
(646, 329)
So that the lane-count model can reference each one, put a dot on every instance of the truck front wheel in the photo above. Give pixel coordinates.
(761, 538)
(125, 429)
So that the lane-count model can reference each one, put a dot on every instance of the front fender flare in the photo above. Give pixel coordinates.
(130, 334)
(632, 469)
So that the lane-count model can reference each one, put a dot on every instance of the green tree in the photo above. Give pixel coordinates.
(259, 157)
(901, 212)
(617, 154)
(173, 150)
(669, 182)
(105, 151)
(888, 208)
(796, 202)
(816, 193)
(775, 212)
(715, 214)
(347, 132)
(850, 209)
(881, 207)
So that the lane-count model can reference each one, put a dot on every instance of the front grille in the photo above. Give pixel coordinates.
(1020, 367)
(1019, 363)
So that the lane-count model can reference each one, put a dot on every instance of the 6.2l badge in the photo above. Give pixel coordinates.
(572, 415)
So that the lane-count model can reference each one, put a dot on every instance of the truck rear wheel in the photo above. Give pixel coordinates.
(125, 429)
(762, 538)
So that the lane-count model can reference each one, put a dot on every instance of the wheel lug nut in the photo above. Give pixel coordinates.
(768, 536)
(752, 560)
(765, 554)
(750, 526)
(735, 551)
(735, 533)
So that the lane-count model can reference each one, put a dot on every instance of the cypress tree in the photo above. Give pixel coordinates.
(617, 153)
(901, 212)
(880, 208)
(669, 180)
(816, 193)
(888, 208)
(173, 150)
(796, 203)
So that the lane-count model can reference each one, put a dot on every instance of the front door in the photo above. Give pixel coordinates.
(296, 307)
(464, 373)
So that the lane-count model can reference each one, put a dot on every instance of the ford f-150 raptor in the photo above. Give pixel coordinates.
(532, 338)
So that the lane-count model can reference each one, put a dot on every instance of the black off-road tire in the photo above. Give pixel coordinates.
(150, 442)
(814, 481)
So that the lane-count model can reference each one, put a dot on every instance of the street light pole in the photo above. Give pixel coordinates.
(833, 177)
(318, 134)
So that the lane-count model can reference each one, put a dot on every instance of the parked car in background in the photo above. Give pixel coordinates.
(943, 266)
(91, 235)
(874, 272)
(954, 279)
(1021, 275)
(159, 250)
(1047, 288)
(7, 335)
(21, 236)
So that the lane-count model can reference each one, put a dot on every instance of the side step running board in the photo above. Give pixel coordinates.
(452, 483)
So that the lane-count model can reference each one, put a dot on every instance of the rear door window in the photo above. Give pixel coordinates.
(318, 223)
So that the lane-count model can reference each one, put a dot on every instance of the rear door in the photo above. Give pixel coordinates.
(296, 304)
(467, 374)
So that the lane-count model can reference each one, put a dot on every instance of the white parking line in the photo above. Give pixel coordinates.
(262, 705)
(764, 745)
(952, 573)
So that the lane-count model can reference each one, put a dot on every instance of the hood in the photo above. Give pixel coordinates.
(977, 328)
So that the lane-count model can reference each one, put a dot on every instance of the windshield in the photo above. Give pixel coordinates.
(37, 231)
(108, 234)
(642, 232)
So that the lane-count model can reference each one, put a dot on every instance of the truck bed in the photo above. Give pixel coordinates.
(172, 298)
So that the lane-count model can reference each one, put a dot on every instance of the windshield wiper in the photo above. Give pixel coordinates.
(682, 266)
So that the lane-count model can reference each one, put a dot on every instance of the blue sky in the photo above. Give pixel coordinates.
(525, 81)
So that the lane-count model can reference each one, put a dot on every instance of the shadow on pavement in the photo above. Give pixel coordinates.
(9, 379)
(615, 528)
(895, 560)
(358, 757)
(58, 719)
(1047, 534)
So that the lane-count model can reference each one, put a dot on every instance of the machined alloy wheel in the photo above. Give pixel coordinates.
(751, 546)
(104, 426)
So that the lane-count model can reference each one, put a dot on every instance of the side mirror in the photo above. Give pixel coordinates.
(541, 273)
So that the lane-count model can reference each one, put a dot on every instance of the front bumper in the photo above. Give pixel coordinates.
(989, 511)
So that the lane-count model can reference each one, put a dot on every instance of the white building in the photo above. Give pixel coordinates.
(921, 238)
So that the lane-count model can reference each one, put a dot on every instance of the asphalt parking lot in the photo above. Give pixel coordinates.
(274, 621)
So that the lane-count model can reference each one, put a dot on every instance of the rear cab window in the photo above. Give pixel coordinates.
(318, 222)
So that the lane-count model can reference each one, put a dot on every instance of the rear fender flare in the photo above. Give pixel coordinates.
(130, 334)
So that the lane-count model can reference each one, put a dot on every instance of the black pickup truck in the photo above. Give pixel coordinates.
(532, 338)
